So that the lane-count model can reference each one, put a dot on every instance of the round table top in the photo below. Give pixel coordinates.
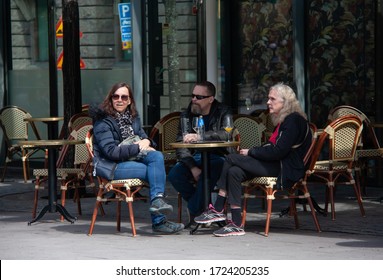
(50, 143)
(205, 144)
(44, 119)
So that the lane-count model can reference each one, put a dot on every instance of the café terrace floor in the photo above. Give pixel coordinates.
(349, 237)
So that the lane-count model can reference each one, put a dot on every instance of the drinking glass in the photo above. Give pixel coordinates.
(195, 125)
(228, 126)
(184, 127)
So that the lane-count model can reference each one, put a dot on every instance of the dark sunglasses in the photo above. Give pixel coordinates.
(123, 97)
(200, 97)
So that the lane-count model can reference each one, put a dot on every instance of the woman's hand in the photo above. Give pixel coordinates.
(244, 152)
(196, 172)
(144, 144)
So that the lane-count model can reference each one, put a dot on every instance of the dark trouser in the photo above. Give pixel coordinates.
(238, 168)
(183, 181)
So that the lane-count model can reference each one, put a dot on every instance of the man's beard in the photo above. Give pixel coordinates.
(196, 109)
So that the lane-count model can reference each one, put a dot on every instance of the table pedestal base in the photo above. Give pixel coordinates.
(60, 209)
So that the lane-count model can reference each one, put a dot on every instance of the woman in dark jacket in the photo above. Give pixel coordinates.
(281, 157)
(122, 150)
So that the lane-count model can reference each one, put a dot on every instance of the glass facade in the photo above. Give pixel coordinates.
(103, 60)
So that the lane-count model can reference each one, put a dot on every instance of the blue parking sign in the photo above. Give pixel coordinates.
(125, 14)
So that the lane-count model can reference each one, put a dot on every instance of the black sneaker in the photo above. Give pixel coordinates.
(230, 229)
(210, 216)
(168, 227)
(160, 206)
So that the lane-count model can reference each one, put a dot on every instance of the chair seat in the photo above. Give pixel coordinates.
(369, 153)
(130, 182)
(325, 166)
(61, 172)
(260, 180)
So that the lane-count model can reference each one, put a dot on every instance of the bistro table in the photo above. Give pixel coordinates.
(50, 122)
(52, 206)
(52, 144)
(205, 147)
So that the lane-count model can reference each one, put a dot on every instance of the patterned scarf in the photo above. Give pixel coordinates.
(124, 122)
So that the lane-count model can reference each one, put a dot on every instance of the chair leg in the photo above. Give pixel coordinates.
(118, 215)
(331, 194)
(131, 213)
(36, 197)
(179, 197)
(77, 198)
(4, 171)
(293, 212)
(313, 214)
(95, 211)
(358, 195)
(244, 207)
(63, 194)
(25, 169)
(269, 207)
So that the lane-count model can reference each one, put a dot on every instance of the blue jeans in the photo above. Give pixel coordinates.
(150, 168)
(183, 181)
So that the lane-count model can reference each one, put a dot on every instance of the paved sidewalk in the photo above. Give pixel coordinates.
(350, 237)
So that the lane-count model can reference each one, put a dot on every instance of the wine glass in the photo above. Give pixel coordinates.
(195, 124)
(228, 126)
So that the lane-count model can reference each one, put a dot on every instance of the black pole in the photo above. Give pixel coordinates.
(53, 106)
(53, 95)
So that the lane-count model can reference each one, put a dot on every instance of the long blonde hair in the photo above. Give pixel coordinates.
(290, 103)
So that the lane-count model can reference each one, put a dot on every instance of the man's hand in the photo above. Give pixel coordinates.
(190, 137)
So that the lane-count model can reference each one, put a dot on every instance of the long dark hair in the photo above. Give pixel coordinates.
(107, 104)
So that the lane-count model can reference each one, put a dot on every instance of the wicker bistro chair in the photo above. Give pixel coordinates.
(368, 148)
(16, 129)
(69, 177)
(336, 168)
(265, 116)
(123, 190)
(76, 121)
(164, 132)
(250, 130)
(264, 188)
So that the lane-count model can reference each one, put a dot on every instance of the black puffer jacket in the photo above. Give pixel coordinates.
(213, 131)
(294, 130)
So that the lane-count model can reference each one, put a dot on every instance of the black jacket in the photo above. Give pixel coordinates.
(294, 130)
(213, 131)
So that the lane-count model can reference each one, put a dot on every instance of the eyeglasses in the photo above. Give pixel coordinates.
(123, 97)
(200, 97)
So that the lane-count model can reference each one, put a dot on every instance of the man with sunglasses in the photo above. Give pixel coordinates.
(185, 176)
